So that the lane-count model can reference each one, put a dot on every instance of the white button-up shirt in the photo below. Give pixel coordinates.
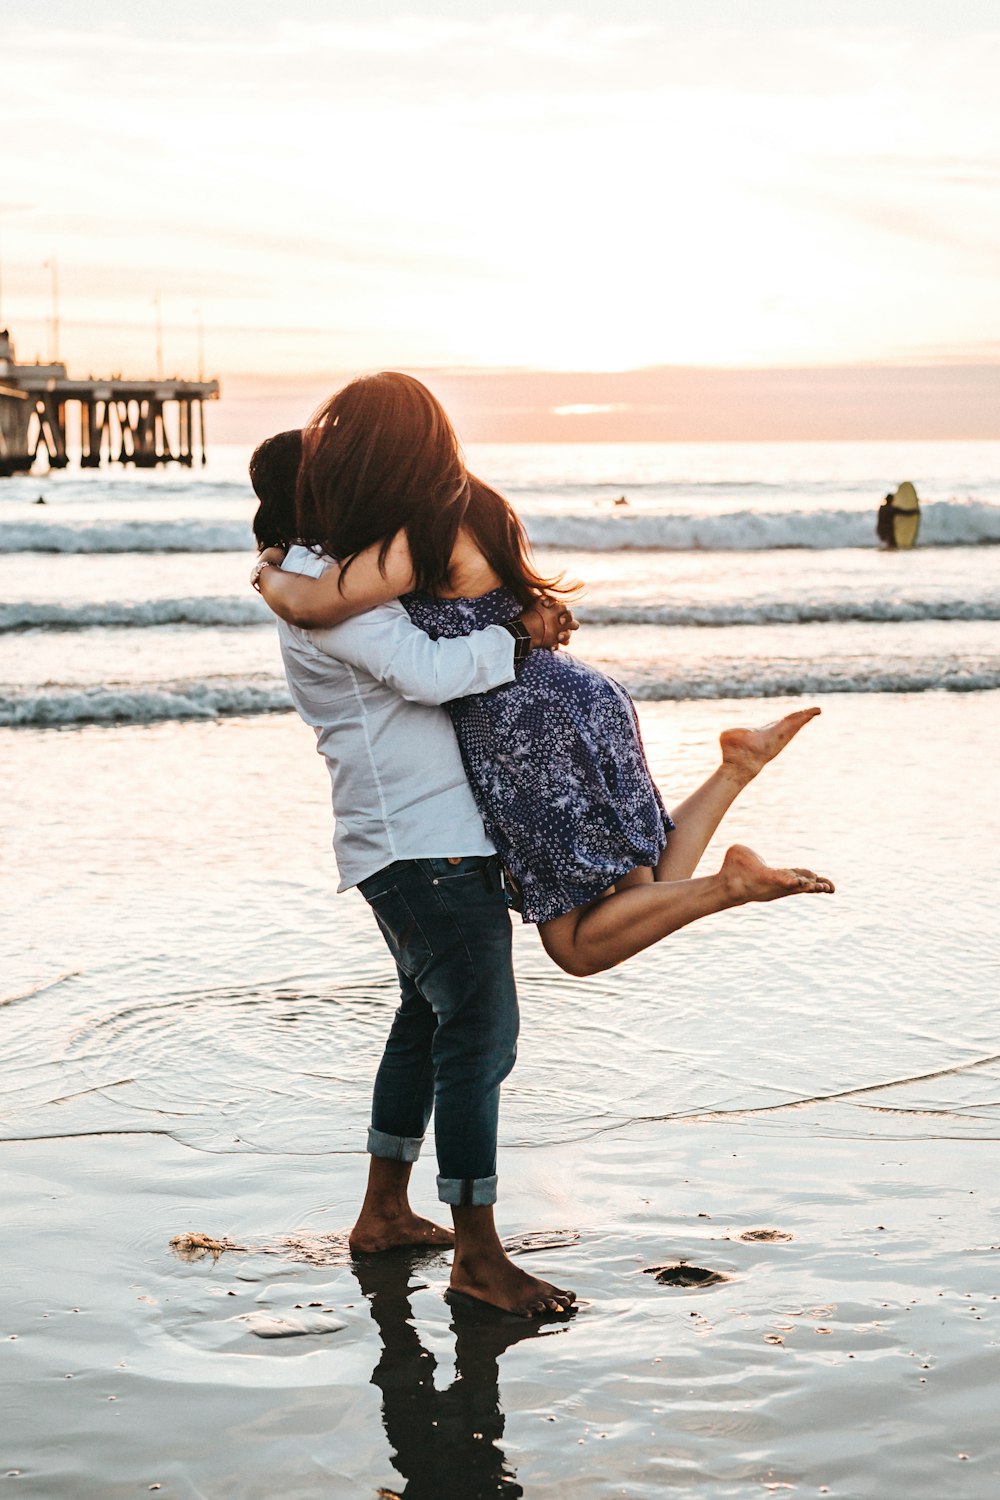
(372, 689)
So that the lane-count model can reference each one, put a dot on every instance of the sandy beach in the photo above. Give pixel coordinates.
(799, 1102)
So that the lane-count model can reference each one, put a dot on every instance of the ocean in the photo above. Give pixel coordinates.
(800, 1099)
(711, 571)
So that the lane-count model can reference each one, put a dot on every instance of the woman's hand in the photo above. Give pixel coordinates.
(271, 557)
(549, 624)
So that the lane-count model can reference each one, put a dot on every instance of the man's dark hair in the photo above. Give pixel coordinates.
(274, 469)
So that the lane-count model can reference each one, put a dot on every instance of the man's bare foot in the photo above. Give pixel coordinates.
(747, 751)
(496, 1281)
(750, 879)
(375, 1232)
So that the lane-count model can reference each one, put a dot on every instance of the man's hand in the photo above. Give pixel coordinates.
(549, 624)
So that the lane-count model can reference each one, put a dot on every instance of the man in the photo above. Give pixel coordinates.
(409, 836)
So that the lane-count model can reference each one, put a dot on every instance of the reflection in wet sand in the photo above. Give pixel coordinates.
(445, 1443)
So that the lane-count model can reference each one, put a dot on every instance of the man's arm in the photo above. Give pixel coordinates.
(386, 644)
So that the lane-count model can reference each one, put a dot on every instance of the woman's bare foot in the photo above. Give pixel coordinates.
(747, 751)
(495, 1280)
(374, 1232)
(750, 879)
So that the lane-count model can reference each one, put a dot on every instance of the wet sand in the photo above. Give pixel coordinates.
(765, 1160)
(850, 1348)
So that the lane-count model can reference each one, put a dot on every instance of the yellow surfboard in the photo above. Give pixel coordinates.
(906, 515)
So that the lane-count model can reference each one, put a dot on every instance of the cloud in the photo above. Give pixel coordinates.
(957, 171)
(589, 408)
(513, 188)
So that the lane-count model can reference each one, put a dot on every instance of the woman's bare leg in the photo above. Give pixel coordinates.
(615, 927)
(649, 905)
(745, 752)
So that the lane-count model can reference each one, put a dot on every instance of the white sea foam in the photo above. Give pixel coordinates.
(951, 523)
(212, 611)
(188, 535)
(144, 703)
(140, 703)
(788, 612)
(205, 611)
(790, 679)
(944, 524)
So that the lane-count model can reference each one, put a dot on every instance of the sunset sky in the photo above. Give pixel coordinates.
(578, 187)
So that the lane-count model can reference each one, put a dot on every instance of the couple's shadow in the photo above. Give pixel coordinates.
(445, 1443)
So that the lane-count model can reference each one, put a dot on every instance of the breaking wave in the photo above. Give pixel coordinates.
(793, 679)
(232, 610)
(953, 523)
(208, 611)
(790, 612)
(944, 524)
(221, 697)
(201, 698)
(126, 536)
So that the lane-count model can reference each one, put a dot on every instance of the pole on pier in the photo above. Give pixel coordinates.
(50, 265)
(158, 304)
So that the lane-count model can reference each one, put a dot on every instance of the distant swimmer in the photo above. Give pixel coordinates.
(898, 520)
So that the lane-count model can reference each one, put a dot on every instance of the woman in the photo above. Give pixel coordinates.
(555, 759)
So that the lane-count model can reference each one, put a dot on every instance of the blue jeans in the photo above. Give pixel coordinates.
(454, 1037)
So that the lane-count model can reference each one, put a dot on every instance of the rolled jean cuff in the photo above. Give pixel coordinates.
(467, 1192)
(393, 1147)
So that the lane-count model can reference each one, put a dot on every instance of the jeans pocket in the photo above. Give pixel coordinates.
(401, 930)
(439, 870)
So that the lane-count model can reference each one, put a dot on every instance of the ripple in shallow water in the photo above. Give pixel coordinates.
(273, 1070)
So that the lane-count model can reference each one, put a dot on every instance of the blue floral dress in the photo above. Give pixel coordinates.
(556, 765)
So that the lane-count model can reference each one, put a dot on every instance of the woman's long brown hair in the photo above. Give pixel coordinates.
(380, 457)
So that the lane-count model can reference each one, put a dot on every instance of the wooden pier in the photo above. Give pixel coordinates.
(141, 422)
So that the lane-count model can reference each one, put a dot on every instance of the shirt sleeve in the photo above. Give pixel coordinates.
(385, 643)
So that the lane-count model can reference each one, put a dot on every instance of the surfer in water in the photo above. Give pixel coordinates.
(883, 522)
(898, 521)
